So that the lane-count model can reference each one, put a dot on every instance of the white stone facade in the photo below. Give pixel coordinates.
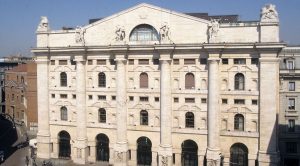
(220, 52)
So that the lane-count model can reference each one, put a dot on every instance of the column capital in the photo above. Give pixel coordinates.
(213, 60)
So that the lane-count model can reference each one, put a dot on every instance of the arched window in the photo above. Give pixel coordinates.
(64, 145)
(63, 79)
(189, 154)
(102, 115)
(144, 153)
(189, 81)
(64, 113)
(22, 79)
(143, 117)
(238, 155)
(189, 120)
(101, 80)
(239, 81)
(144, 32)
(102, 147)
(239, 122)
(143, 80)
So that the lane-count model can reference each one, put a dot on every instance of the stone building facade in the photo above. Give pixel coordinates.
(289, 122)
(21, 94)
(150, 86)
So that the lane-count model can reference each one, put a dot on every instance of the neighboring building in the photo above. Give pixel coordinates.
(289, 122)
(21, 94)
(150, 86)
(7, 63)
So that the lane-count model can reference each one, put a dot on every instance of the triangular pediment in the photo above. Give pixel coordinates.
(239, 110)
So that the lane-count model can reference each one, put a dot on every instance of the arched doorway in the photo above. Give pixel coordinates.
(102, 148)
(144, 153)
(64, 145)
(238, 155)
(189, 154)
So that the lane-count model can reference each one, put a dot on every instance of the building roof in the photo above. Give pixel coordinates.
(222, 18)
(19, 68)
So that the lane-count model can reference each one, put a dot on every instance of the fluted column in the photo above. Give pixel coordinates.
(43, 135)
(213, 113)
(81, 154)
(121, 147)
(165, 149)
(269, 97)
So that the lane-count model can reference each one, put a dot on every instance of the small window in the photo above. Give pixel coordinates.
(190, 100)
(291, 125)
(239, 122)
(176, 99)
(290, 64)
(131, 98)
(101, 62)
(63, 113)
(225, 61)
(291, 147)
(155, 61)
(144, 99)
(143, 117)
(291, 104)
(143, 80)
(63, 96)
(239, 101)
(102, 115)
(63, 79)
(90, 97)
(74, 96)
(131, 61)
(52, 62)
(203, 61)
(189, 120)
(143, 61)
(254, 61)
(203, 100)
(239, 61)
(101, 97)
(189, 61)
(291, 86)
(90, 62)
(239, 81)
(63, 62)
(254, 102)
(101, 80)
(189, 81)
(224, 101)
(113, 97)
(156, 99)
(112, 62)
(175, 61)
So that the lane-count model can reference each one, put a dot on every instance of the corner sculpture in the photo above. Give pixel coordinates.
(79, 35)
(43, 25)
(269, 14)
(213, 30)
(164, 33)
(120, 33)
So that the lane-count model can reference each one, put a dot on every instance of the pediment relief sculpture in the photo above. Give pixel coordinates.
(213, 30)
(120, 33)
(79, 35)
(164, 33)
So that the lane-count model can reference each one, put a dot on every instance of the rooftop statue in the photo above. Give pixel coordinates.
(269, 14)
(43, 25)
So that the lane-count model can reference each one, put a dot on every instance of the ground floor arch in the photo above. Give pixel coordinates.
(64, 146)
(144, 152)
(189, 154)
(102, 147)
(238, 155)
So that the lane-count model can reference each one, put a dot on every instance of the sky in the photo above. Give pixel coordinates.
(19, 18)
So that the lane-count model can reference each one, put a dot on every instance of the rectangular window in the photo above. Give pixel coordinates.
(225, 61)
(224, 101)
(291, 147)
(203, 61)
(155, 61)
(291, 86)
(101, 62)
(176, 99)
(174, 158)
(112, 62)
(144, 99)
(175, 61)
(90, 62)
(189, 61)
(143, 61)
(254, 61)
(63, 62)
(90, 97)
(101, 97)
(52, 95)
(113, 97)
(74, 96)
(254, 102)
(131, 98)
(239, 101)
(203, 100)
(290, 65)
(239, 61)
(190, 100)
(131, 61)
(156, 99)
(291, 104)
(291, 125)
(63, 96)
(52, 62)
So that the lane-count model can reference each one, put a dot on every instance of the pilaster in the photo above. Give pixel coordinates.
(43, 135)
(81, 140)
(121, 147)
